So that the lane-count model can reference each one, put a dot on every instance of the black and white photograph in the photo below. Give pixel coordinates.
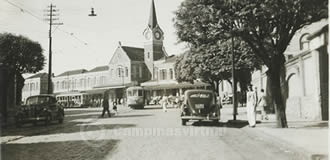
(164, 80)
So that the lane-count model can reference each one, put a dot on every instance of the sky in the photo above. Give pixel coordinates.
(84, 42)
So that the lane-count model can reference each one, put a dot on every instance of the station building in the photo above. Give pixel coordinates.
(149, 66)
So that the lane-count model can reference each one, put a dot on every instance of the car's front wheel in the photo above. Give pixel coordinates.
(18, 122)
(60, 117)
(184, 122)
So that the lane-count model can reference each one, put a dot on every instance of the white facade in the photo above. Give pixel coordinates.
(35, 86)
(80, 82)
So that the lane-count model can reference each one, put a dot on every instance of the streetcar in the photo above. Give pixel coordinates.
(135, 97)
(73, 100)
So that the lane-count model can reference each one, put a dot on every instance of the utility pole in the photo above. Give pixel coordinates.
(51, 12)
(234, 87)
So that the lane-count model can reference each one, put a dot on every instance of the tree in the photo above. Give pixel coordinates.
(212, 63)
(20, 55)
(267, 27)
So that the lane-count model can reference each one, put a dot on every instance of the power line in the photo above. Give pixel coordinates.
(71, 34)
(24, 10)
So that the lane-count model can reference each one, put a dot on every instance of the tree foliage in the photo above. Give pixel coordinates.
(213, 63)
(20, 55)
(266, 26)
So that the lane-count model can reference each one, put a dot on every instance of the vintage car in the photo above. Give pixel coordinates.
(39, 108)
(200, 105)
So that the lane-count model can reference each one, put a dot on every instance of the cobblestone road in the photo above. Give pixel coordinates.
(136, 134)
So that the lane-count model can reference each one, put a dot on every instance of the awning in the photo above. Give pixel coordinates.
(95, 91)
(176, 86)
(114, 86)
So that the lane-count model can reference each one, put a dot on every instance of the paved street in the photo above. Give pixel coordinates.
(138, 134)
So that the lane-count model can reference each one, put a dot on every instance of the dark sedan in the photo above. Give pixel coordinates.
(39, 108)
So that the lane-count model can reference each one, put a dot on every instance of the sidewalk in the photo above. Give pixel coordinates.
(308, 139)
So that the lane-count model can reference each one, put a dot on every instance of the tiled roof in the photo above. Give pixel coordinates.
(73, 72)
(135, 54)
(99, 68)
(38, 75)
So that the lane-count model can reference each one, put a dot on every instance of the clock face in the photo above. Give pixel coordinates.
(157, 35)
(148, 35)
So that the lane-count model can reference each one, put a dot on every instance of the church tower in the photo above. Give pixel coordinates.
(153, 45)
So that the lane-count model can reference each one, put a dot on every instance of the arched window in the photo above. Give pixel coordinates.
(303, 42)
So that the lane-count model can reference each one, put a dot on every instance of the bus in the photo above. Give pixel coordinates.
(135, 97)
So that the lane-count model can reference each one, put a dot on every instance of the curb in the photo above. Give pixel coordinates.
(299, 152)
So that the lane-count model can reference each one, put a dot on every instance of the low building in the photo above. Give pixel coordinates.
(35, 85)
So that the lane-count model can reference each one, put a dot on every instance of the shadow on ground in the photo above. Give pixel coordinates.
(63, 150)
(132, 115)
(228, 124)
(72, 111)
(72, 124)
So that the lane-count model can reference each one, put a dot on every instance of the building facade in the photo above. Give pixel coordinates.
(35, 85)
(307, 71)
(148, 66)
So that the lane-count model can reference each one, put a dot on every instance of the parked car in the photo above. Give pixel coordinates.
(200, 105)
(39, 108)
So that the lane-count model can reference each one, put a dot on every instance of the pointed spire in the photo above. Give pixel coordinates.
(152, 18)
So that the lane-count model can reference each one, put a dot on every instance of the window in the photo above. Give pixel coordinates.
(140, 71)
(140, 93)
(134, 93)
(134, 71)
(69, 84)
(72, 84)
(129, 93)
(148, 55)
(163, 74)
(81, 83)
(155, 73)
(126, 71)
(119, 72)
(304, 43)
(171, 74)
(111, 72)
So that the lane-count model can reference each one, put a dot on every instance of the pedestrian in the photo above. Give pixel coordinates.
(251, 106)
(262, 104)
(177, 102)
(164, 102)
(114, 107)
(105, 105)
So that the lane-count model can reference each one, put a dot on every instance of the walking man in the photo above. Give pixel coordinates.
(105, 104)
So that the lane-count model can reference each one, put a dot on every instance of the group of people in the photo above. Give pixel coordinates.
(252, 102)
(172, 101)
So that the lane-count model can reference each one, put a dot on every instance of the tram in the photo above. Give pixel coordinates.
(73, 100)
(135, 97)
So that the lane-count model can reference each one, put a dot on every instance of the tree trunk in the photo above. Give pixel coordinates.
(20, 84)
(277, 76)
(3, 93)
